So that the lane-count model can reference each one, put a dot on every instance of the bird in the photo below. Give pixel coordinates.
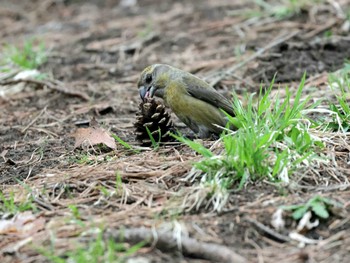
(193, 100)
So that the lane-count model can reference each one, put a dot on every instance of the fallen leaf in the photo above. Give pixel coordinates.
(93, 135)
(23, 224)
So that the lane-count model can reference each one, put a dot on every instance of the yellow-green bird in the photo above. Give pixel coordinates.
(193, 100)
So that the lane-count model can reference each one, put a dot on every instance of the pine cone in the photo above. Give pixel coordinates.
(158, 121)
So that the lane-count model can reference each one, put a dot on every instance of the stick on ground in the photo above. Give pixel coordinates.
(166, 242)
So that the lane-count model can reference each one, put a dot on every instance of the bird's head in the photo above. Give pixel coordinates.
(153, 81)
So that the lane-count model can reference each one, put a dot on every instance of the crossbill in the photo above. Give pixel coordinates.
(194, 101)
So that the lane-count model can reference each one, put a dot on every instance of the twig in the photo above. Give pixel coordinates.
(167, 242)
(320, 29)
(232, 69)
(34, 120)
(51, 84)
(337, 236)
(268, 230)
(255, 245)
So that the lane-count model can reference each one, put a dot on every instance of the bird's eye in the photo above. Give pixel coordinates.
(148, 78)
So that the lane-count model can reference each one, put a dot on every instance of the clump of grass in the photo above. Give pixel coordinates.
(147, 30)
(8, 205)
(98, 250)
(124, 143)
(155, 144)
(280, 9)
(273, 141)
(340, 82)
(29, 56)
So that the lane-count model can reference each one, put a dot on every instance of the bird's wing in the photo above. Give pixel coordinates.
(202, 91)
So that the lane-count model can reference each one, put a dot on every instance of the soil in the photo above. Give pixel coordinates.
(97, 50)
(299, 57)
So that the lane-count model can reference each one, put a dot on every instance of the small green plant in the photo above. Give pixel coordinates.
(328, 34)
(104, 191)
(147, 30)
(76, 215)
(124, 143)
(8, 204)
(118, 187)
(84, 159)
(87, 158)
(340, 82)
(118, 181)
(347, 13)
(272, 141)
(319, 205)
(155, 144)
(75, 211)
(287, 9)
(279, 9)
(27, 57)
(99, 250)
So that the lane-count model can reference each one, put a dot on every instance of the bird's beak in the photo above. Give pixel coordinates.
(147, 92)
(142, 91)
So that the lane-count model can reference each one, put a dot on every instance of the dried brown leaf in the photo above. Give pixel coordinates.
(23, 224)
(93, 135)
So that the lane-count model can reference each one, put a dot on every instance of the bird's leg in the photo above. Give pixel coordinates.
(191, 135)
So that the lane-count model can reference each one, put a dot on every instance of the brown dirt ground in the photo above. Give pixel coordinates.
(98, 48)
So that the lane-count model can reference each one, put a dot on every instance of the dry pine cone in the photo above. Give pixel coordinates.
(153, 115)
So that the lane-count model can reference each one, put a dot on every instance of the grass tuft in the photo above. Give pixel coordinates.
(99, 250)
(272, 143)
(8, 205)
(340, 83)
(29, 56)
